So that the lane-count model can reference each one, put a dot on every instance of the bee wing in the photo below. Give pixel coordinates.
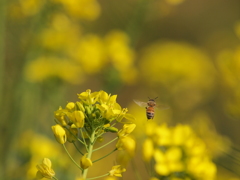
(162, 107)
(140, 103)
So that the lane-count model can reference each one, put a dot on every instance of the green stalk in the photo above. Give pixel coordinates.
(85, 144)
(77, 148)
(55, 178)
(105, 155)
(99, 176)
(71, 157)
(106, 144)
(90, 151)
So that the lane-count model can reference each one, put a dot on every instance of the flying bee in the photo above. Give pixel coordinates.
(150, 106)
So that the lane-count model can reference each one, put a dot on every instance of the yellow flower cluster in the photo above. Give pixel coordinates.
(94, 110)
(178, 152)
(95, 114)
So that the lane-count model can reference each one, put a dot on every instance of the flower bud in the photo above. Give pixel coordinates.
(78, 119)
(59, 133)
(80, 106)
(111, 129)
(70, 106)
(85, 162)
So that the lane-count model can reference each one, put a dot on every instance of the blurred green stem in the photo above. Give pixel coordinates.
(2, 43)
(106, 144)
(105, 155)
(3, 5)
(136, 23)
(99, 176)
(71, 157)
(89, 155)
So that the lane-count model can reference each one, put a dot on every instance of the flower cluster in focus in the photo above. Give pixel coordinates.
(84, 122)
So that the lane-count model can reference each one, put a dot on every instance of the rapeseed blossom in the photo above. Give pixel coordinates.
(45, 169)
(178, 152)
(87, 120)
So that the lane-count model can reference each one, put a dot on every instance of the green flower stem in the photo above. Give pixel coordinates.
(87, 132)
(85, 144)
(99, 176)
(106, 144)
(55, 178)
(105, 155)
(71, 157)
(77, 148)
(89, 155)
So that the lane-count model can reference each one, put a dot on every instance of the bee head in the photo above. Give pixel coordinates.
(150, 99)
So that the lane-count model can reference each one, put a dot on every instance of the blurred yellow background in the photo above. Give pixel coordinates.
(185, 52)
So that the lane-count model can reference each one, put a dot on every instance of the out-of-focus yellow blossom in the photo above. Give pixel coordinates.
(153, 178)
(174, 2)
(148, 150)
(61, 34)
(228, 63)
(45, 169)
(121, 55)
(127, 144)
(179, 67)
(123, 158)
(237, 29)
(24, 8)
(117, 171)
(84, 9)
(127, 129)
(215, 143)
(90, 53)
(85, 162)
(47, 67)
(59, 133)
(178, 150)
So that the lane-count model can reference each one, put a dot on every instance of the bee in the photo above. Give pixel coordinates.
(150, 107)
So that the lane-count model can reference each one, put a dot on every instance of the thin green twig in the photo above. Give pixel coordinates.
(77, 148)
(99, 176)
(106, 144)
(85, 144)
(71, 157)
(105, 155)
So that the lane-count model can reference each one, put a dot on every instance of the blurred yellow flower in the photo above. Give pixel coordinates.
(174, 2)
(117, 171)
(126, 143)
(178, 150)
(148, 149)
(25, 8)
(44, 68)
(45, 169)
(237, 28)
(62, 34)
(84, 9)
(90, 53)
(179, 67)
